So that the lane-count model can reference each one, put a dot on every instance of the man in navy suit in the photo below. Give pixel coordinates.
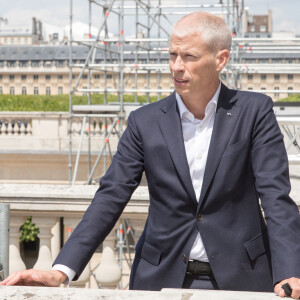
(209, 154)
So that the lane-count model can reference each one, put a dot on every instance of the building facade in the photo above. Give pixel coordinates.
(44, 70)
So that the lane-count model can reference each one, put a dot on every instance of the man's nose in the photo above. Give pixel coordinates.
(177, 65)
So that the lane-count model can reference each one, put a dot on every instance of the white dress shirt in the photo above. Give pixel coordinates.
(196, 135)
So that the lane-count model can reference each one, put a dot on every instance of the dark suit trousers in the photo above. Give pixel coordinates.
(202, 282)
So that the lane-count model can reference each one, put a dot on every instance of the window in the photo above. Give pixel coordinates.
(5, 40)
(60, 63)
(23, 77)
(11, 63)
(276, 94)
(1, 63)
(109, 76)
(59, 76)
(11, 77)
(290, 88)
(250, 76)
(23, 64)
(12, 40)
(252, 28)
(263, 76)
(48, 77)
(60, 90)
(24, 92)
(1, 91)
(263, 88)
(35, 90)
(0, 76)
(84, 76)
(48, 90)
(263, 61)
(97, 76)
(12, 90)
(35, 63)
(250, 88)
(263, 28)
(26, 40)
(276, 76)
(290, 76)
(47, 63)
(35, 77)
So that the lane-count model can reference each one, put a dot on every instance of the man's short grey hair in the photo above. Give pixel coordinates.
(213, 30)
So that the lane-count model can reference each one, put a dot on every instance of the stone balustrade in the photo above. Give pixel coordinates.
(48, 131)
(46, 293)
(46, 203)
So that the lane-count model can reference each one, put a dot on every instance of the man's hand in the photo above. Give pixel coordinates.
(295, 285)
(35, 277)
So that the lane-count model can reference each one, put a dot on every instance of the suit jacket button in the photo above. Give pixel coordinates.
(200, 217)
(184, 258)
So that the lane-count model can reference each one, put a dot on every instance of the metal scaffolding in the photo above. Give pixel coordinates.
(138, 52)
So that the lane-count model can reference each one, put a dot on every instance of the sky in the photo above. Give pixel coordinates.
(56, 12)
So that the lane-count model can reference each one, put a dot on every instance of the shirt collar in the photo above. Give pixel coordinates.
(210, 107)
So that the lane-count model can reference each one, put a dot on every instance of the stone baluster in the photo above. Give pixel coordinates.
(44, 261)
(108, 274)
(70, 223)
(55, 240)
(15, 261)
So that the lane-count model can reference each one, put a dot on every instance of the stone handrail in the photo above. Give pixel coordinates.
(46, 293)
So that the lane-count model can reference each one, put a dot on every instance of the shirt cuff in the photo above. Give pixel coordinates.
(68, 271)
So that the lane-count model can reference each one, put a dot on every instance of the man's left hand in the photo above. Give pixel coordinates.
(295, 285)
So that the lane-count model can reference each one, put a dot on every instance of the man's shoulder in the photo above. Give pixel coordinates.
(253, 99)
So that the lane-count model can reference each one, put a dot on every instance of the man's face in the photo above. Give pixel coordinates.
(192, 65)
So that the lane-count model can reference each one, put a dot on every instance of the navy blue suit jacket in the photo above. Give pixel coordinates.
(246, 161)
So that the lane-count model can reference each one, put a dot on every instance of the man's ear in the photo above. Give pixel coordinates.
(222, 58)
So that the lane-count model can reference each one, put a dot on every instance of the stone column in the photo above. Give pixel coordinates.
(15, 261)
(44, 261)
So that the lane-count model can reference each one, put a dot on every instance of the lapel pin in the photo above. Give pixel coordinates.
(229, 114)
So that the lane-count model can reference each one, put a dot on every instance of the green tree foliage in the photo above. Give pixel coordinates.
(57, 102)
(29, 231)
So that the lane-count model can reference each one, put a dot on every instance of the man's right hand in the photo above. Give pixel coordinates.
(35, 277)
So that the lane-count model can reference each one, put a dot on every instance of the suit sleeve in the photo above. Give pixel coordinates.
(116, 188)
(270, 166)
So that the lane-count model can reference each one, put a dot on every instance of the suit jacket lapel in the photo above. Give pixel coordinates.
(226, 116)
(170, 126)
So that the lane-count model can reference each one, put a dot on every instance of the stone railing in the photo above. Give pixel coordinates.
(46, 204)
(46, 293)
(48, 131)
